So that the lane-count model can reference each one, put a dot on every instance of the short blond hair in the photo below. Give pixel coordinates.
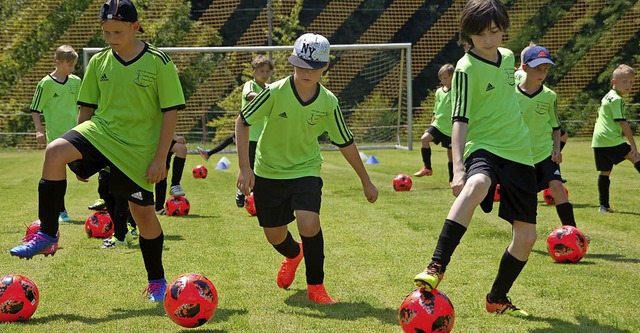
(446, 69)
(66, 53)
(260, 60)
(622, 70)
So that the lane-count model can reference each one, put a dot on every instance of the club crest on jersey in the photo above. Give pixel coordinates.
(541, 107)
(315, 117)
(144, 78)
(510, 75)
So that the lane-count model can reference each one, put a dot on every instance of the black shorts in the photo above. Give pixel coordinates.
(277, 199)
(518, 195)
(438, 137)
(93, 161)
(546, 171)
(607, 157)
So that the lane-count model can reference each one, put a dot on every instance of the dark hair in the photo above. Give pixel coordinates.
(477, 16)
(260, 60)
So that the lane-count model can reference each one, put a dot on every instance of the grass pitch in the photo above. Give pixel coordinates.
(372, 253)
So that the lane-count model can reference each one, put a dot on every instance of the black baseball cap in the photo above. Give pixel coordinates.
(119, 10)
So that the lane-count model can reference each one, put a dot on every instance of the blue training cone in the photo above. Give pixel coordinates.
(225, 160)
(372, 160)
(222, 166)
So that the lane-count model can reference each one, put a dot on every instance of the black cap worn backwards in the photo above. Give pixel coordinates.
(120, 10)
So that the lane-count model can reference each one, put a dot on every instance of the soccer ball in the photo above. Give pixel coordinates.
(496, 194)
(190, 300)
(99, 225)
(199, 171)
(567, 244)
(19, 298)
(426, 311)
(177, 206)
(548, 198)
(250, 205)
(402, 182)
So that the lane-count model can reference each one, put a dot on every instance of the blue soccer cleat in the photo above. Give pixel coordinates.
(155, 290)
(38, 243)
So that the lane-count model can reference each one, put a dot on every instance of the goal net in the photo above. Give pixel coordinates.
(371, 82)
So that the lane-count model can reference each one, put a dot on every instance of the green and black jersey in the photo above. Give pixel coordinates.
(483, 95)
(607, 131)
(288, 147)
(57, 103)
(129, 99)
(541, 117)
(252, 86)
(442, 111)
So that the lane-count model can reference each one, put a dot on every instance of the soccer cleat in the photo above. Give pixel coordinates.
(287, 271)
(114, 242)
(424, 171)
(318, 294)
(64, 217)
(203, 153)
(155, 290)
(504, 306)
(176, 191)
(604, 209)
(132, 231)
(239, 199)
(98, 205)
(38, 243)
(430, 278)
(161, 211)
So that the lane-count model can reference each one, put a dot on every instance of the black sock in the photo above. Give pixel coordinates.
(450, 166)
(221, 146)
(508, 272)
(426, 157)
(152, 255)
(119, 217)
(161, 193)
(449, 239)
(289, 247)
(178, 167)
(562, 143)
(314, 257)
(50, 200)
(565, 212)
(637, 165)
(603, 190)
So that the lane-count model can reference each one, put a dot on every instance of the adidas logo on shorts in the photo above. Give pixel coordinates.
(137, 195)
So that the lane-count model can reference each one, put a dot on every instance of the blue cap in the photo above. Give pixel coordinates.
(537, 55)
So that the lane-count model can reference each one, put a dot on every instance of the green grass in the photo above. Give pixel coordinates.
(372, 253)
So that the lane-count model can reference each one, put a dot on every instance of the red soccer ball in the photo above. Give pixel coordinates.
(567, 244)
(250, 205)
(190, 300)
(426, 311)
(402, 182)
(19, 298)
(200, 171)
(496, 194)
(177, 206)
(99, 225)
(548, 198)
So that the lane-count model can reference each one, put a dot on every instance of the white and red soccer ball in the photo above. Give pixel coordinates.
(250, 205)
(200, 171)
(99, 225)
(402, 182)
(426, 311)
(177, 206)
(19, 298)
(548, 197)
(567, 244)
(190, 300)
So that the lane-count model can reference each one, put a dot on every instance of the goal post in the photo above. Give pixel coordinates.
(371, 81)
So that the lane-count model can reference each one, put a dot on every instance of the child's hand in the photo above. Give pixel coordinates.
(457, 184)
(370, 192)
(556, 156)
(156, 171)
(40, 137)
(246, 180)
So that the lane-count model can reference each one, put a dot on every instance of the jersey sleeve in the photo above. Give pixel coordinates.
(554, 121)
(617, 109)
(246, 90)
(259, 108)
(39, 97)
(460, 97)
(89, 92)
(338, 131)
(169, 88)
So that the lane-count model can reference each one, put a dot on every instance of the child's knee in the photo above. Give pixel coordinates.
(180, 150)
(479, 183)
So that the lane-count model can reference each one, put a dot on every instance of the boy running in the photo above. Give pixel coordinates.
(490, 145)
(287, 184)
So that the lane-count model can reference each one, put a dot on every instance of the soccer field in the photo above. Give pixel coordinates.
(372, 253)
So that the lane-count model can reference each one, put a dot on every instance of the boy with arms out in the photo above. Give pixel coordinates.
(440, 129)
(129, 100)
(296, 110)
(538, 108)
(611, 126)
(488, 129)
(55, 98)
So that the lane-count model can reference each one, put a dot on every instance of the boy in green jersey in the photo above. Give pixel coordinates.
(128, 101)
(490, 145)
(611, 128)
(538, 108)
(55, 98)
(262, 70)
(440, 129)
(286, 183)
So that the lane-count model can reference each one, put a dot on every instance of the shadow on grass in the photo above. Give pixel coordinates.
(584, 325)
(220, 315)
(341, 310)
(589, 256)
